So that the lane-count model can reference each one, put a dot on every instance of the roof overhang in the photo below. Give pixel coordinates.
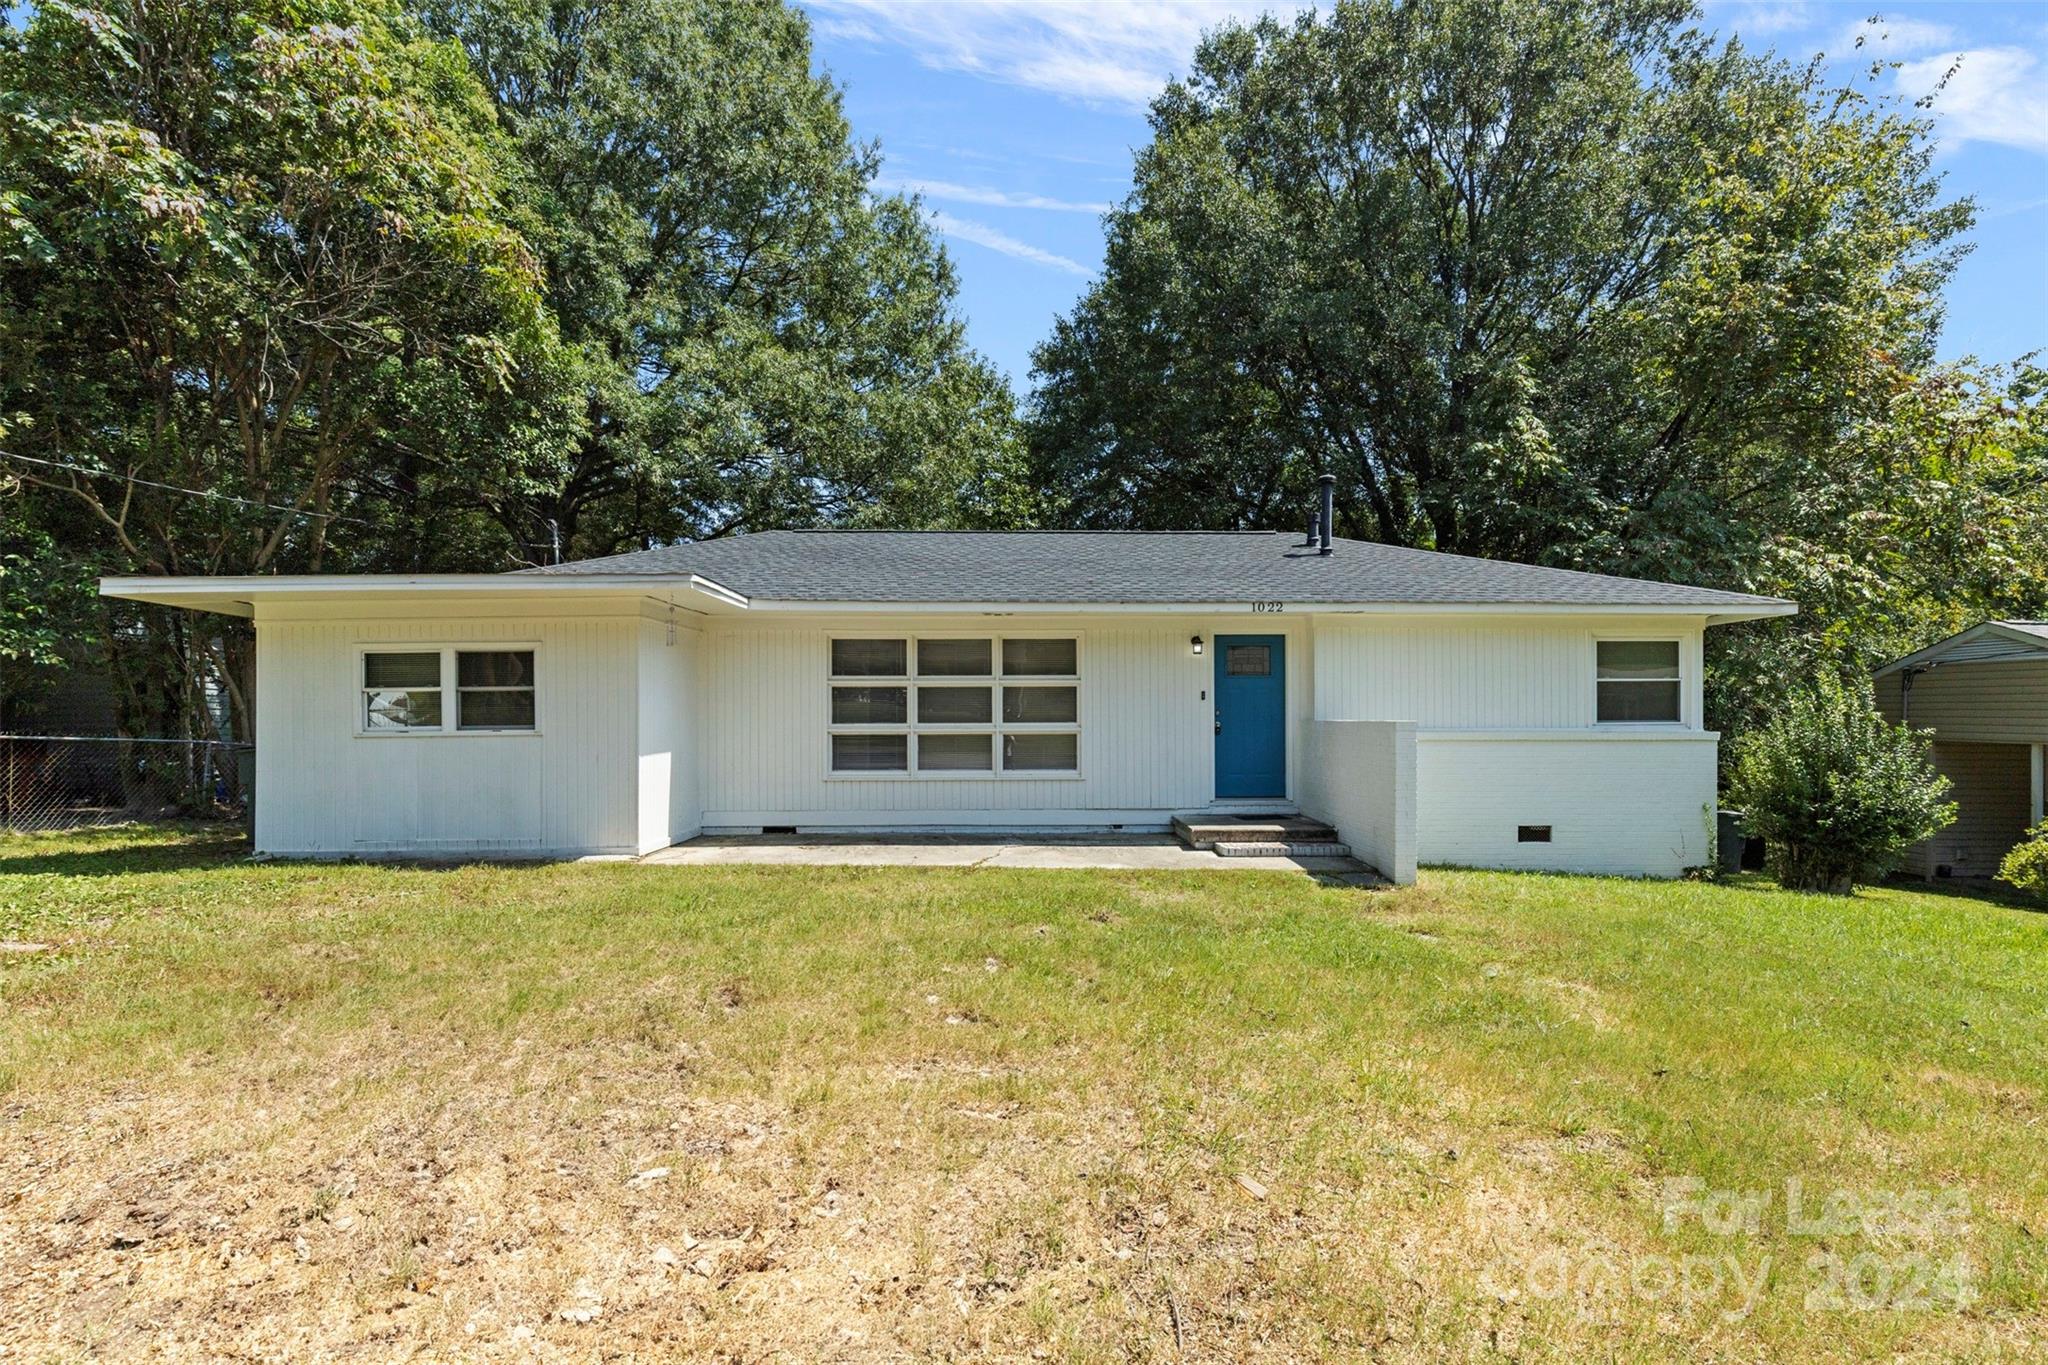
(1714, 614)
(240, 596)
(2025, 646)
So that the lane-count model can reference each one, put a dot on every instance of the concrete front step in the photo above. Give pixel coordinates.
(1214, 831)
(1293, 848)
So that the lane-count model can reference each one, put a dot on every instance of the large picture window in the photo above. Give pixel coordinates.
(408, 691)
(1638, 681)
(955, 706)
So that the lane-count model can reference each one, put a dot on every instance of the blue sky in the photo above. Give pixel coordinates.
(1017, 120)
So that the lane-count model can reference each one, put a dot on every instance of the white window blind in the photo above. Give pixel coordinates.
(1638, 681)
(954, 706)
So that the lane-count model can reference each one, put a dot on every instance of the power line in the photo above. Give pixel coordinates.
(188, 492)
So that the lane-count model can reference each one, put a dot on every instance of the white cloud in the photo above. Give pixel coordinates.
(1117, 52)
(1897, 37)
(1995, 95)
(852, 30)
(981, 234)
(1760, 19)
(977, 194)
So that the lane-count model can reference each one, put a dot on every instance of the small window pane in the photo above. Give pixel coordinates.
(870, 753)
(1638, 701)
(1039, 658)
(507, 710)
(391, 710)
(870, 658)
(1039, 705)
(954, 706)
(402, 670)
(1041, 753)
(1251, 661)
(1656, 659)
(954, 658)
(494, 668)
(955, 753)
(870, 705)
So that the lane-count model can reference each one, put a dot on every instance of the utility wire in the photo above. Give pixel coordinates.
(188, 492)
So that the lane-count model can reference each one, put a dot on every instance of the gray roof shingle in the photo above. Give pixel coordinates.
(1138, 567)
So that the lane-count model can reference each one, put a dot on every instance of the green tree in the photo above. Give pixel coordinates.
(1837, 793)
(761, 340)
(2025, 865)
(260, 250)
(1939, 521)
(1550, 280)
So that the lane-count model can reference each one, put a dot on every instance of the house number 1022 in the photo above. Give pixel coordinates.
(1268, 608)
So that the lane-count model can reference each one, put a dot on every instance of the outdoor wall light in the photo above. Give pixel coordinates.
(1195, 643)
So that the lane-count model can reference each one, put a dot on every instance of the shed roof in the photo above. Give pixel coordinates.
(1137, 567)
(1985, 642)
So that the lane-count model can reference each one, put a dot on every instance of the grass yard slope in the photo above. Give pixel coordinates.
(579, 1112)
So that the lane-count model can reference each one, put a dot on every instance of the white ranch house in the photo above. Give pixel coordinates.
(1431, 707)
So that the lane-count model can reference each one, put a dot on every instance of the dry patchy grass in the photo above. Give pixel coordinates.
(582, 1112)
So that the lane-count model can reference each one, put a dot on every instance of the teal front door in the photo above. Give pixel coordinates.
(1251, 715)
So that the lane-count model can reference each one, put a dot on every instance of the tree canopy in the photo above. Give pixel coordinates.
(1556, 281)
(253, 251)
(760, 339)
(317, 285)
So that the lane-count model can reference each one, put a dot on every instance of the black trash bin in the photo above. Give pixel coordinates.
(1729, 840)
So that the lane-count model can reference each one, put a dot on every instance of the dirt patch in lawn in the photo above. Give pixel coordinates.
(535, 1204)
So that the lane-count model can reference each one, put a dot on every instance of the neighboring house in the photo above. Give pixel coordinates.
(1984, 694)
(1430, 706)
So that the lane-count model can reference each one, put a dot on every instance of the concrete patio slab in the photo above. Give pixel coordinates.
(1115, 851)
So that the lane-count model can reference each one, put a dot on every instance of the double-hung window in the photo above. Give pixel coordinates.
(411, 690)
(955, 706)
(1638, 681)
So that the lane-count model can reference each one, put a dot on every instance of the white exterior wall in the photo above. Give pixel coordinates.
(1638, 806)
(1505, 708)
(569, 787)
(1483, 672)
(1146, 734)
(670, 801)
(1360, 776)
(640, 742)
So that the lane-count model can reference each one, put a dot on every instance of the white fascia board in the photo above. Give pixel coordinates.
(237, 596)
(1714, 616)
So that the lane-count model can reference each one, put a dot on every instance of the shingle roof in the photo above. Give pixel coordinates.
(1126, 567)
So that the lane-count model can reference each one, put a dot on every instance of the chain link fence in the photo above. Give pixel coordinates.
(76, 781)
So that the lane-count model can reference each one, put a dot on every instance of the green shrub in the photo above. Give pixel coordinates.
(2026, 866)
(1837, 793)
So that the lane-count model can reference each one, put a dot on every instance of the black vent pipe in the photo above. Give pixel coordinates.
(1329, 515)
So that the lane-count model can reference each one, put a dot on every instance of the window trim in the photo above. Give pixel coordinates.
(451, 699)
(1684, 678)
(995, 726)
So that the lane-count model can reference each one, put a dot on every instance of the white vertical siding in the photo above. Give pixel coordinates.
(641, 742)
(1481, 672)
(670, 804)
(566, 788)
(1147, 726)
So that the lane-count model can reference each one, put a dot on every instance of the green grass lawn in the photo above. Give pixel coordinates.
(292, 1110)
